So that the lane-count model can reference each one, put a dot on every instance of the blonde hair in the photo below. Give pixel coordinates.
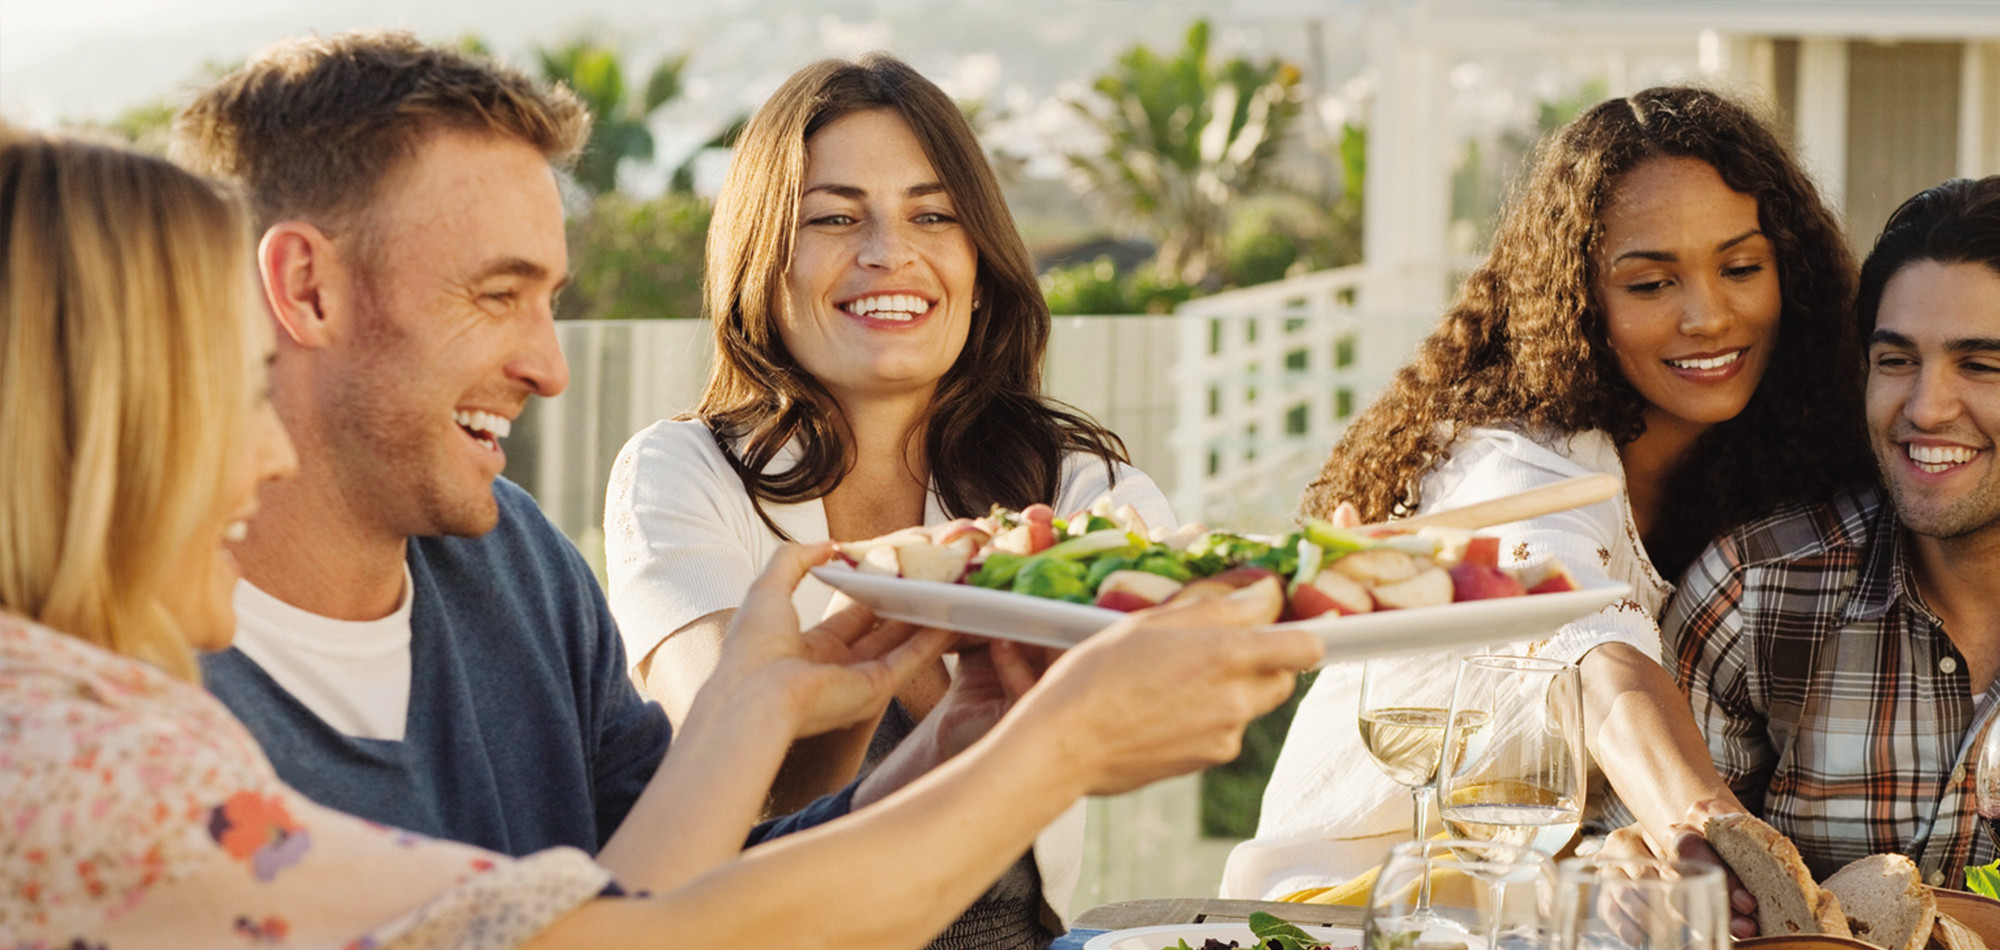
(122, 392)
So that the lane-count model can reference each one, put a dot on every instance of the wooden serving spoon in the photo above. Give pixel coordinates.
(1548, 499)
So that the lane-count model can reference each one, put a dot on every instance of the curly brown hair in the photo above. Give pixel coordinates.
(1525, 343)
(990, 436)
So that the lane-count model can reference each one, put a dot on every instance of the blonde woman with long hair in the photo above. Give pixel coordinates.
(134, 432)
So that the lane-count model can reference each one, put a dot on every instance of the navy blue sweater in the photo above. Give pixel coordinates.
(524, 731)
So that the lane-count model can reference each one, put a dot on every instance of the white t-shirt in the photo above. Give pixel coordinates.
(354, 675)
(1328, 812)
(682, 540)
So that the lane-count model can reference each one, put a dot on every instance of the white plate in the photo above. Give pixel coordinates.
(1153, 938)
(1055, 623)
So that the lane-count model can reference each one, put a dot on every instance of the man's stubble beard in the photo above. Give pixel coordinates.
(1977, 511)
(391, 472)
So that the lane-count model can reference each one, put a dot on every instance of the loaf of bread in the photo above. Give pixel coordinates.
(1880, 899)
(1885, 901)
(1788, 902)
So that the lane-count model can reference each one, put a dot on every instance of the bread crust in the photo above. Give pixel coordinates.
(1949, 934)
(1769, 865)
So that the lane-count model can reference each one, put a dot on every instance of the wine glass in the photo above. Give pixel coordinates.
(1513, 755)
(1986, 776)
(1640, 904)
(1402, 710)
(1515, 776)
(1442, 892)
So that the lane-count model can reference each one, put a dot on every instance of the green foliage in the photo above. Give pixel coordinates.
(1984, 880)
(1551, 115)
(146, 126)
(1096, 287)
(683, 176)
(594, 72)
(1086, 288)
(1155, 290)
(638, 259)
(1185, 139)
(1232, 795)
(1487, 170)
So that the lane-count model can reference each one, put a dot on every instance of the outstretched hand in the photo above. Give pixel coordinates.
(842, 671)
(1167, 690)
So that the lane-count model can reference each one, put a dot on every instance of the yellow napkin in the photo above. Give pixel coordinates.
(1351, 893)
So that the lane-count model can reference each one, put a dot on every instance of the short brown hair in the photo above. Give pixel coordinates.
(311, 127)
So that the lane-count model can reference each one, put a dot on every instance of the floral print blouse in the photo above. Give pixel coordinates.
(135, 811)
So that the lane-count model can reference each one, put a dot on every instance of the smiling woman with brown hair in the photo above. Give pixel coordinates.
(1662, 302)
(879, 337)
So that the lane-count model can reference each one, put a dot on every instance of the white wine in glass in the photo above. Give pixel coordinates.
(1515, 813)
(1402, 718)
(1404, 740)
(1520, 778)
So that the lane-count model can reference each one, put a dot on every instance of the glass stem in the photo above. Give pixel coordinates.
(1420, 803)
(1499, 892)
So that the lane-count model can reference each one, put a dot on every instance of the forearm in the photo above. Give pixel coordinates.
(699, 807)
(1645, 739)
(674, 674)
(890, 876)
(676, 669)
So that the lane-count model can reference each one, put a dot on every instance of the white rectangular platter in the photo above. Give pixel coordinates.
(1010, 616)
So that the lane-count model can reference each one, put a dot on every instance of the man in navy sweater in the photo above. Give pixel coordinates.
(417, 644)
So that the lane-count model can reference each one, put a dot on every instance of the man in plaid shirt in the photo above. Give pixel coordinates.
(1841, 657)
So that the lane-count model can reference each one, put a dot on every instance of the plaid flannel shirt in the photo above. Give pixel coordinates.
(1833, 702)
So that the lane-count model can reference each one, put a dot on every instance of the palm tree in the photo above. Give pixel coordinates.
(1185, 140)
(594, 72)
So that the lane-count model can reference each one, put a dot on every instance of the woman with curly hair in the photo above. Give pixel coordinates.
(879, 335)
(1665, 301)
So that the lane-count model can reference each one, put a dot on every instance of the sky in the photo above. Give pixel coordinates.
(90, 60)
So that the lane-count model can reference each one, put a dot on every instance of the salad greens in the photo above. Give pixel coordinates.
(1272, 933)
(1111, 559)
(1984, 880)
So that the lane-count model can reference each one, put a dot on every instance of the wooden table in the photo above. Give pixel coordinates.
(1199, 910)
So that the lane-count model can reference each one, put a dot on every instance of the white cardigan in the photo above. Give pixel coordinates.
(682, 540)
(1329, 813)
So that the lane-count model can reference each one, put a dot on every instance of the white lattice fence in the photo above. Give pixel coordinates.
(1268, 376)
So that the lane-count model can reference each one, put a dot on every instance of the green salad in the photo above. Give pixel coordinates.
(1111, 559)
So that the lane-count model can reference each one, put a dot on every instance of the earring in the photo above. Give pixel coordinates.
(975, 303)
